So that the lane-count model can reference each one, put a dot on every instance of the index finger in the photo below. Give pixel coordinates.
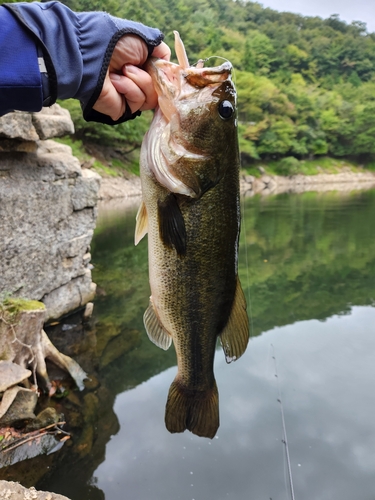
(162, 51)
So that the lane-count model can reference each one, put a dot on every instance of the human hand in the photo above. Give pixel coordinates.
(126, 83)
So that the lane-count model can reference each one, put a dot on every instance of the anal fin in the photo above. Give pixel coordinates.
(141, 226)
(155, 331)
(235, 336)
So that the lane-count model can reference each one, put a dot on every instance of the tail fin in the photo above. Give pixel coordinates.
(193, 410)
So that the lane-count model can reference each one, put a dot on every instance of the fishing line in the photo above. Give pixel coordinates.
(211, 57)
(243, 228)
(223, 59)
(285, 437)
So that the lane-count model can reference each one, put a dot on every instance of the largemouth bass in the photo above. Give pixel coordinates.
(190, 185)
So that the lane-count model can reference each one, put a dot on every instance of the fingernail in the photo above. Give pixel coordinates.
(114, 76)
(129, 68)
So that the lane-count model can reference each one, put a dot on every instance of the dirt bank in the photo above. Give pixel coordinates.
(343, 181)
(118, 187)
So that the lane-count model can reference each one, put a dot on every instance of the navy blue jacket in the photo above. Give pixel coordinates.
(73, 49)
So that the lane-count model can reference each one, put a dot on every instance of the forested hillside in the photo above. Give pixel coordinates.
(306, 86)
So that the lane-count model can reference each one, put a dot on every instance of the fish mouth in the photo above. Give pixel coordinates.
(170, 79)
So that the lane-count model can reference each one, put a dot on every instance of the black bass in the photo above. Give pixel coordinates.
(190, 186)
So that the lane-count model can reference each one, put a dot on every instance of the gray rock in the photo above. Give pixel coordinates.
(272, 184)
(249, 179)
(11, 374)
(258, 185)
(117, 187)
(85, 190)
(88, 311)
(266, 179)
(18, 125)
(7, 399)
(20, 404)
(49, 146)
(46, 417)
(54, 121)
(17, 146)
(47, 217)
(344, 181)
(248, 194)
(70, 296)
(14, 491)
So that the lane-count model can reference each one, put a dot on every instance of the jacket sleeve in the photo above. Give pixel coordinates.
(20, 78)
(77, 49)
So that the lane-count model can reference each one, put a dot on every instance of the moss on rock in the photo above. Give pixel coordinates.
(15, 305)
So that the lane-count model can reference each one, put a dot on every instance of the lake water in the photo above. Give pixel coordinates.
(297, 410)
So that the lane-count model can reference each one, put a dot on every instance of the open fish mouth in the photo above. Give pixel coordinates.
(170, 79)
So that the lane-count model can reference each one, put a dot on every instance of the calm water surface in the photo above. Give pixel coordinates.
(307, 265)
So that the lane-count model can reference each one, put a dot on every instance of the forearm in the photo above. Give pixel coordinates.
(20, 78)
(77, 48)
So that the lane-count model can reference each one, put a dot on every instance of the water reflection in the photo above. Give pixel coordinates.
(303, 258)
(307, 256)
(325, 371)
(307, 265)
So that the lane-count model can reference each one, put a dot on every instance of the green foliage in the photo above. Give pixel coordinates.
(258, 52)
(130, 133)
(288, 166)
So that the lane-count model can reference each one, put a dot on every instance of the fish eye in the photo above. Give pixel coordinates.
(226, 110)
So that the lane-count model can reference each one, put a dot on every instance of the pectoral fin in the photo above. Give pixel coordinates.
(235, 336)
(155, 330)
(171, 224)
(141, 226)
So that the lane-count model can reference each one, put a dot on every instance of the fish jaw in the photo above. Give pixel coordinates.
(166, 78)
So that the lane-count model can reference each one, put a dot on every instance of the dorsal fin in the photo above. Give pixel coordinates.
(235, 336)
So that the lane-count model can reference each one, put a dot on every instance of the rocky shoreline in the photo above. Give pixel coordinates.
(117, 187)
(346, 180)
(47, 213)
(10, 490)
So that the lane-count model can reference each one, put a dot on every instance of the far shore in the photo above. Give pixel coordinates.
(346, 181)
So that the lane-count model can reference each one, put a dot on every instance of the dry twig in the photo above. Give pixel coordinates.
(37, 434)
